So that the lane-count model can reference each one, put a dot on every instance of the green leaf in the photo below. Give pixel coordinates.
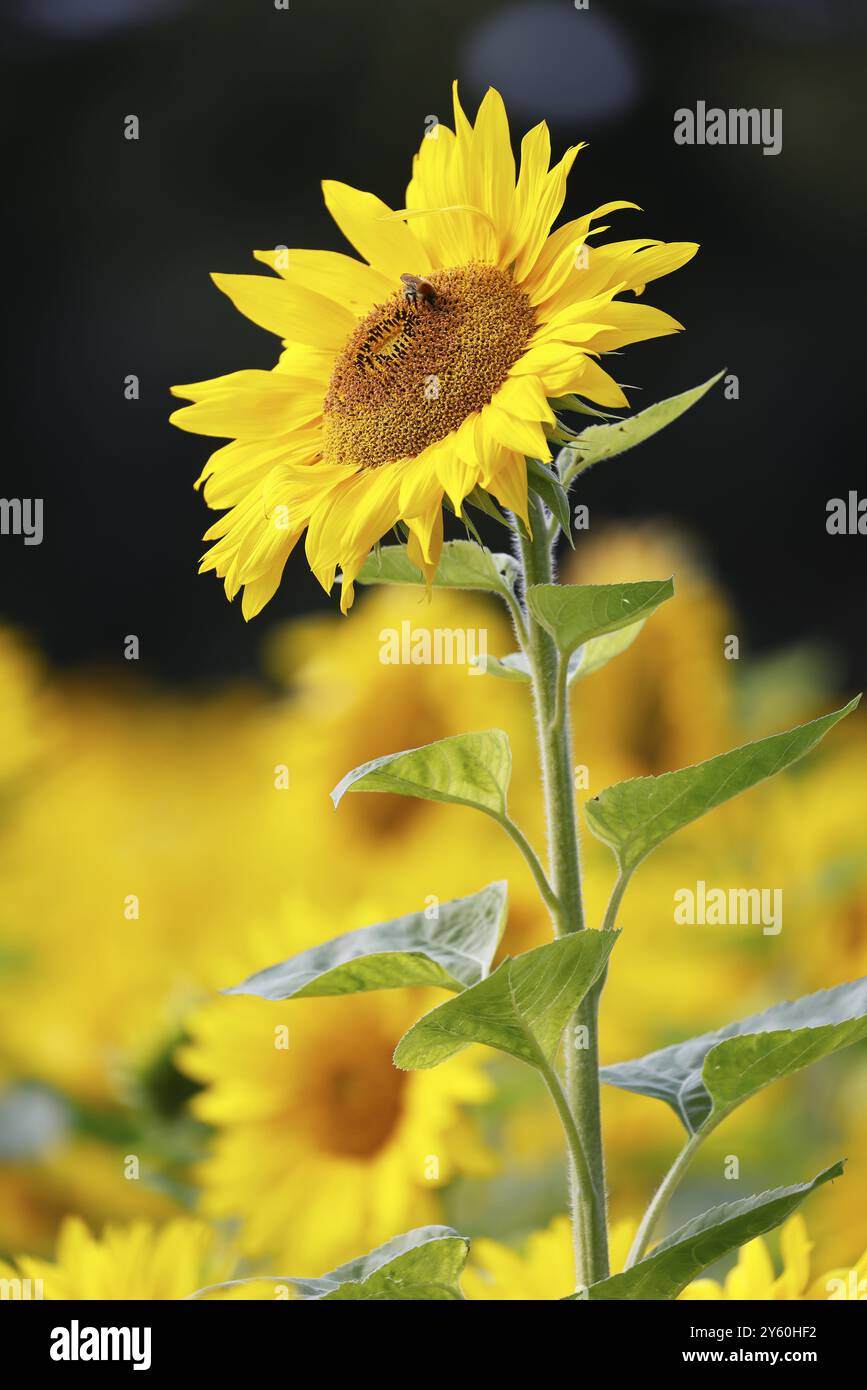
(466, 770)
(574, 614)
(596, 653)
(584, 661)
(521, 1009)
(579, 407)
(485, 503)
(453, 951)
(462, 565)
(634, 817)
(546, 484)
(424, 1264)
(675, 1262)
(514, 667)
(705, 1078)
(470, 527)
(600, 442)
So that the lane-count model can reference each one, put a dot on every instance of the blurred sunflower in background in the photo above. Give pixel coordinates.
(136, 1261)
(413, 377)
(544, 1269)
(322, 1148)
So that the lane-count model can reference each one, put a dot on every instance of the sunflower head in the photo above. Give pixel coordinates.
(416, 367)
(422, 371)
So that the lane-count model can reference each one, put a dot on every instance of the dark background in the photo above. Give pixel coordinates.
(244, 108)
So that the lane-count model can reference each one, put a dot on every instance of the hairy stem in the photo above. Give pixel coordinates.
(578, 1160)
(589, 1214)
(519, 838)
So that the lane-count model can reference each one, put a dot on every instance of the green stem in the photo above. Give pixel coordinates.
(517, 615)
(589, 1214)
(577, 1157)
(519, 838)
(610, 918)
(562, 693)
(661, 1199)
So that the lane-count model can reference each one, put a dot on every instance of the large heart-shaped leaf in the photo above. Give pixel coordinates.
(575, 614)
(424, 1264)
(521, 1009)
(634, 817)
(676, 1261)
(453, 950)
(706, 1077)
(600, 442)
(462, 565)
(467, 770)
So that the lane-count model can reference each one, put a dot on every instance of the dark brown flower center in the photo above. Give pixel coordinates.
(415, 368)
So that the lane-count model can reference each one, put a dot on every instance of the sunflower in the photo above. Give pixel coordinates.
(544, 1269)
(322, 1149)
(414, 377)
(135, 1261)
(754, 1278)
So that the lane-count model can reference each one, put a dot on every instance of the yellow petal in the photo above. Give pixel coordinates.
(251, 403)
(330, 273)
(390, 247)
(626, 323)
(258, 592)
(419, 485)
(291, 311)
(795, 1247)
(588, 379)
(494, 160)
(541, 218)
(559, 255)
(449, 239)
(541, 359)
(627, 264)
(523, 397)
(753, 1274)
(456, 475)
(351, 519)
(535, 158)
(522, 436)
(426, 541)
(702, 1290)
(659, 260)
(509, 487)
(237, 467)
(574, 311)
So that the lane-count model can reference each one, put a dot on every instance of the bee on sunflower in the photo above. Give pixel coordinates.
(424, 371)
